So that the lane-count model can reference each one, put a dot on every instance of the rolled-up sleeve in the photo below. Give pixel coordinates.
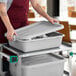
(4, 1)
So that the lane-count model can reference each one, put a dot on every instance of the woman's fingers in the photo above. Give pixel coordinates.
(10, 33)
(10, 37)
(15, 33)
(56, 21)
(51, 20)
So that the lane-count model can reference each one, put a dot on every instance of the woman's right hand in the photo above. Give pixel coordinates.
(5, 18)
(10, 33)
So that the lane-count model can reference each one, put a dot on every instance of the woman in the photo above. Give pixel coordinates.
(13, 14)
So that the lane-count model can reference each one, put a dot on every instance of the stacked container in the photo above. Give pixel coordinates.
(40, 65)
(38, 37)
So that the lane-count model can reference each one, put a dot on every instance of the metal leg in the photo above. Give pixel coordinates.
(1, 60)
(70, 63)
(19, 68)
(1, 72)
(15, 68)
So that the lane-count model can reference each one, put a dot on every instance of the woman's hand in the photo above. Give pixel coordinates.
(5, 18)
(53, 20)
(40, 10)
(10, 33)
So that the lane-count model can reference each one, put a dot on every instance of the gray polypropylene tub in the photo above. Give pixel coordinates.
(52, 40)
(37, 36)
(40, 65)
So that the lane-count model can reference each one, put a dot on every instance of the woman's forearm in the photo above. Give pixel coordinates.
(6, 21)
(39, 9)
(4, 17)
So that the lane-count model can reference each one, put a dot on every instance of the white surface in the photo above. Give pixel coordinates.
(62, 18)
(74, 47)
(73, 34)
(70, 2)
(63, 8)
(72, 21)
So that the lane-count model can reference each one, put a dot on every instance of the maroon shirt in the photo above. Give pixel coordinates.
(18, 17)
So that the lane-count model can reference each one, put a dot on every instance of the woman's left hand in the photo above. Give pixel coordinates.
(52, 20)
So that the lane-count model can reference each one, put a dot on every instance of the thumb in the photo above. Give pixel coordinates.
(52, 22)
(15, 33)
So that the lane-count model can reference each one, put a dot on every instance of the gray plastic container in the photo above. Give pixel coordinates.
(53, 40)
(40, 65)
(34, 37)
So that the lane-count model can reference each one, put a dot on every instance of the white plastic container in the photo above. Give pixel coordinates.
(37, 37)
(51, 41)
(40, 65)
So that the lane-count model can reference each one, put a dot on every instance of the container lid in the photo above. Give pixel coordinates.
(41, 59)
(37, 29)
